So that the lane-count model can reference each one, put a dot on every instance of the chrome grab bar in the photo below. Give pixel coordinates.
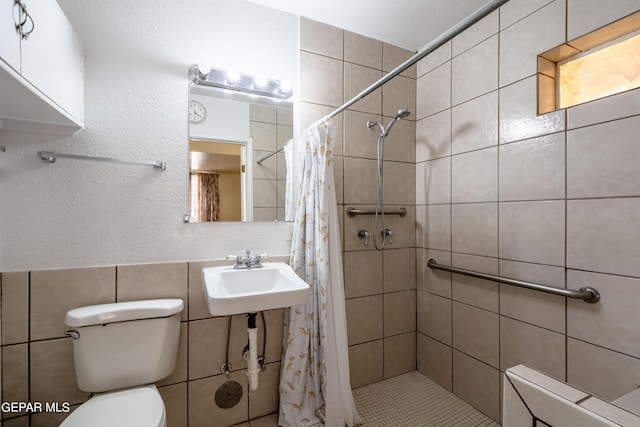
(351, 212)
(586, 293)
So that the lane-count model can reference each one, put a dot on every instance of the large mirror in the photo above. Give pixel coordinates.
(229, 133)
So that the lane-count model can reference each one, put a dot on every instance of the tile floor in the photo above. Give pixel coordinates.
(414, 400)
(409, 400)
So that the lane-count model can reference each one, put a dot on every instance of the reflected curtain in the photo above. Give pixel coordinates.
(208, 196)
(315, 389)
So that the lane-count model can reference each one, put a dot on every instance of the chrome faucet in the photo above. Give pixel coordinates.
(244, 262)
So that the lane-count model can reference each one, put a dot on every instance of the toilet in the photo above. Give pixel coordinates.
(120, 350)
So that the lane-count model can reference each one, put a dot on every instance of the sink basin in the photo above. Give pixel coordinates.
(275, 285)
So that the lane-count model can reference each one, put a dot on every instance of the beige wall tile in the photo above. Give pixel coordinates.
(284, 116)
(362, 273)
(17, 422)
(268, 168)
(434, 316)
(400, 144)
(15, 375)
(275, 325)
(321, 38)
(535, 347)
(284, 134)
(399, 354)
(476, 332)
(321, 79)
(521, 43)
(399, 269)
(515, 10)
(202, 405)
(433, 181)
(613, 322)
(359, 140)
(434, 360)
(600, 167)
(366, 363)
(434, 59)
(353, 224)
(399, 93)
(533, 169)
(434, 281)
(364, 319)
(470, 290)
(475, 176)
(599, 237)
(338, 176)
(433, 136)
(479, 32)
(362, 50)
(207, 347)
(532, 231)
(15, 307)
(264, 135)
(264, 193)
(475, 123)
(433, 227)
(54, 292)
(604, 373)
(268, 421)
(262, 113)
(265, 399)
(400, 178)
(433, 91)
(399, 312)
(519, 117)
(175, 402)
(392, 56)
(52, 363)
(360, 176)
(538, 308)
(311, 113)
(603, 110)
(587, 15)
(151, 281)
(356, 79)
(477, 383)
(404, 228)
(475, 72)
(474, 228)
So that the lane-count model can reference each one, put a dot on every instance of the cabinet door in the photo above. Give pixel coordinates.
(9, 38)
(52, 56)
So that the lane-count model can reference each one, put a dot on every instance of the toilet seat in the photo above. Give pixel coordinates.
(134, 407)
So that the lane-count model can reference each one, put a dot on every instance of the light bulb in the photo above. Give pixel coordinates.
(286, 87)
(260, 81)
(204, 68)
(233, 76)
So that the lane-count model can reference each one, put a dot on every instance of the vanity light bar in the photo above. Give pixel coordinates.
(234, 80)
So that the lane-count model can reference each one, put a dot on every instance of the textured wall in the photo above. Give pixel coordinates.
(80, 213)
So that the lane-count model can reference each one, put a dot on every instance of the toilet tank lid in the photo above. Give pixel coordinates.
(122, 312)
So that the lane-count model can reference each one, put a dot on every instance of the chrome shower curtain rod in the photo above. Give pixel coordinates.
(424, 51)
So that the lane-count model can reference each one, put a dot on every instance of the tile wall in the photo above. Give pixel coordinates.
(271, 128)
(335, 65)
(37, 360)
(552, 199)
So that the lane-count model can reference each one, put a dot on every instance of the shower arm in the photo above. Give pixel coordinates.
(424, 51)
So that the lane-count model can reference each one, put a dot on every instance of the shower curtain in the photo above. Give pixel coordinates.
(314, 380)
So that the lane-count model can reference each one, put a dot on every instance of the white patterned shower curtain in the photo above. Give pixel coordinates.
(314, 379)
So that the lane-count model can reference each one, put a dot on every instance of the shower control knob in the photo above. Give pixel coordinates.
(386, 232)
(364, 235)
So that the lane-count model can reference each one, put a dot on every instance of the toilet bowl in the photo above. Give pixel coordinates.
(139, 406)
(119, 351)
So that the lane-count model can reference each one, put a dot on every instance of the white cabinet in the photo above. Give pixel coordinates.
(10, 45)
(45, 92)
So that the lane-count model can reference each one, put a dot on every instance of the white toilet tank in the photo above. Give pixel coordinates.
(124, 344)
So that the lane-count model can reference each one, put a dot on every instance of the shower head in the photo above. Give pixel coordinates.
(403, 113)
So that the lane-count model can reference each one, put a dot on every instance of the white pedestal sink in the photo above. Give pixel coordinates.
(275, 285)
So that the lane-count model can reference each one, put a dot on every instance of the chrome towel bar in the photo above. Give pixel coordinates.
(50, 157)
(351, 212)
(586, 293)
